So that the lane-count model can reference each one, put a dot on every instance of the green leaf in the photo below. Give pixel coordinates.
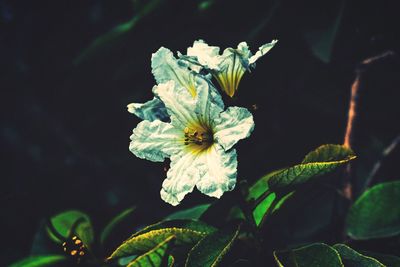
(388, 260)
(262, 208)
(117, 33)
(376, 213)
(171, 261)
(184, 231)
(323, 160)
(153, 257)
(212, 248)
(260, 188)
(193, 213)
(39, 261)
(114, 222)
(72, 222)
(321, 41)
(317, 254)
(352, 258)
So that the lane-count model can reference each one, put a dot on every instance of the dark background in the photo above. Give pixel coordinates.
(67, 75)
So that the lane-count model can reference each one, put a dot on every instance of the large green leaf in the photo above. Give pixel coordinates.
(323, 160)
(72, 222)
(39, 261)
(352, 258)
(211, 249)
(153, 257)
(317, 254)
(376, 213)
(113, 223)
(193, 213)
(184, 231)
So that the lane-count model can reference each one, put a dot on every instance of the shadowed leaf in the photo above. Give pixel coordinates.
(72, 222)
(153, 257)
(317, 254)
(115, 35)
(113, 223)
(352, 258)
(184, 231)
(39, 261)
(191, 213)
(376, 213)
(211, 249)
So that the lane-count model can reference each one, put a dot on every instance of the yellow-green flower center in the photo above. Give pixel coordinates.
(198, 139)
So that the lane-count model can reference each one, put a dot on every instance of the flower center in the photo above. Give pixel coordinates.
(198, 139)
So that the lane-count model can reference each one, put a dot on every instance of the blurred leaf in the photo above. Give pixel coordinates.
(388, 260)
(193, 213)
(72, 222)
(376, 213)
(184, 231)
(317, 254)
(205, 5)
(352, 258)
(171, 260)
(321, 41)
(114, 222)
(324, 159)
(262, 208)
(303, 216)
(39, 261)
(153, 257)
(212, 248)
(108, 39)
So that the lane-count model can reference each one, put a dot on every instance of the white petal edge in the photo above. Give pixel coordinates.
(182, 177)
(262, 51)
(155, 140)
(234, 124)
(151, 110)
(219, 171)
(206, 55)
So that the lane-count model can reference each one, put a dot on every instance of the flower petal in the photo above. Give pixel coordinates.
(166, 67)
(218, 172)
(262, 51)
(181, 177)
(151, 110)
(207, 56)
(155, 140)
(186, 110)
(234, 124)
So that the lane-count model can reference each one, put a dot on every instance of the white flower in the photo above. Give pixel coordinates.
(165, 67)
(198, 139)
(228, 68)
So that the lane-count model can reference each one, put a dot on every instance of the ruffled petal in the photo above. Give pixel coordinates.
(218, 174)
(207, 56)
(182, 176)
(185, 110)
(262, 51)
(233, 124)
(151, 110)
(155, 140)
(166, 67)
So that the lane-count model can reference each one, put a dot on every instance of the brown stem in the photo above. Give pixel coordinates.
(352, 117)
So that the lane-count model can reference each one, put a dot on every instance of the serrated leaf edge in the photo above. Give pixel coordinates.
(167, 240)
(223, 252)
(146, 235)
